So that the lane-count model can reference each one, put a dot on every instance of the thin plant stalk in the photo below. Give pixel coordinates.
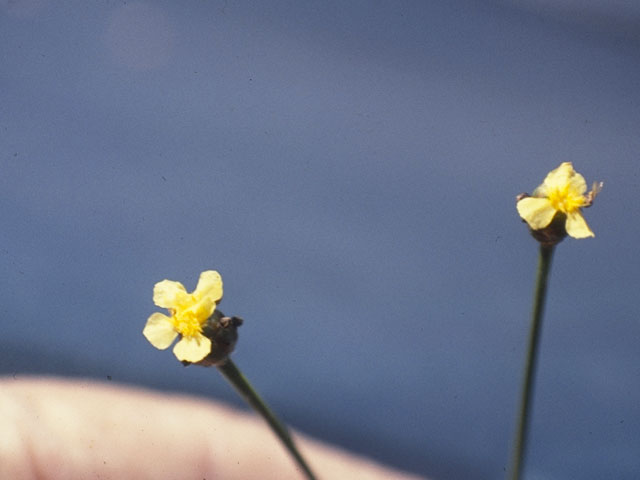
(244, 388)
(526, 400)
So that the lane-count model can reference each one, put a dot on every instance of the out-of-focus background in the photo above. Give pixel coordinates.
(350, 168)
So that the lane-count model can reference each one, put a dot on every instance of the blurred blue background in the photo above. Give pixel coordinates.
(350, 168)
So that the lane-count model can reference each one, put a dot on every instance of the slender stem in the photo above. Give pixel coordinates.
(526, 400)
(244, 388)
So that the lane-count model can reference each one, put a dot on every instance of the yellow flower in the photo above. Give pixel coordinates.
(563, 190)
(189, 312)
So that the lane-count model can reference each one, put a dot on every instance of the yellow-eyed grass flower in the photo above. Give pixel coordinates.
(554, 208)
(207, 338)
(189, 313)
(552, 212)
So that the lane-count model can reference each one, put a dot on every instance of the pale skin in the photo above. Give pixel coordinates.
(55, 429)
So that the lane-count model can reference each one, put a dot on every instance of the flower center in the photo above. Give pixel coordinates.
(565, 199)
(186, 323)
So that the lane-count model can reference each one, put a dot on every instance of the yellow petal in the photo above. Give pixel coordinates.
(577, 184)
(192, 349)
(209, 285)
(537, 212)
(207, 294)
(577, 227)
(560, 176)
(159, 331)
(169, 294)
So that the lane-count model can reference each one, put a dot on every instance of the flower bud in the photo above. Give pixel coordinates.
(223, 333)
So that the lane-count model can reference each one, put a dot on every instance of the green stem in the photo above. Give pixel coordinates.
(526, 400)
(244, 388)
